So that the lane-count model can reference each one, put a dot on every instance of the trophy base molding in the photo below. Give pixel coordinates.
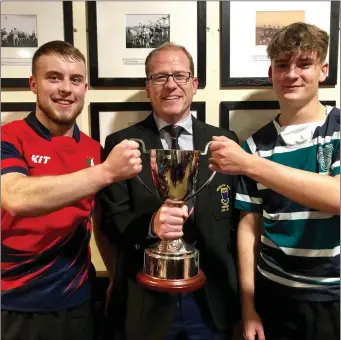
(172, 286)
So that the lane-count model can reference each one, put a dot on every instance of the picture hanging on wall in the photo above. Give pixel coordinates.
(107, 118)
(15, 111)
(122, 33)
(24, 27)
(246, 117)
(248, 26)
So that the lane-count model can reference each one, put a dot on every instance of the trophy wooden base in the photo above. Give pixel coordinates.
(172, 286)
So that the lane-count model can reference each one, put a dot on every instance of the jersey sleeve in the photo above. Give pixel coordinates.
(335, 167)
(248, 197)
(12, 159)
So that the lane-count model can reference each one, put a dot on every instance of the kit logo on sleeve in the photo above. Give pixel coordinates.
(224, 194)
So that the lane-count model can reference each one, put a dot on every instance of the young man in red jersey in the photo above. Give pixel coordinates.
(50, 172)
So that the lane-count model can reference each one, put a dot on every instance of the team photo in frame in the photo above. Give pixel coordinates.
(24, 27)
(244, 41)
(122, 33)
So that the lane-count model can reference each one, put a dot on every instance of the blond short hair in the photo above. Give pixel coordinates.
(59, 48)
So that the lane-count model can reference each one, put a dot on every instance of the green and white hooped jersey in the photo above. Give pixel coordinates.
(300, 247)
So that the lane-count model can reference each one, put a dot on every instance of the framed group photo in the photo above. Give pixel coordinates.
(246, 117)
(107, 118)
(24, 27)
(15, 111)
(122, 33)
(248, 26)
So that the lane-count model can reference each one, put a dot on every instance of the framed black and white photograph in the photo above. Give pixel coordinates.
(15, 111)
(248, 26)
(107, 118)
(122, 33)
(147, 30)
(18, 31)
(24, 27)
(246, 117)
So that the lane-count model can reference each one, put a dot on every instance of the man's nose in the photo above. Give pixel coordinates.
(293, 71)
(65, 86)
(171, 83)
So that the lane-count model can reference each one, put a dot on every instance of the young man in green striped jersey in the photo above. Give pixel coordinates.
(289, 194)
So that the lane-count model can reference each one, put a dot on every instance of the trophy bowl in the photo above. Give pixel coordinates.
(173, 265)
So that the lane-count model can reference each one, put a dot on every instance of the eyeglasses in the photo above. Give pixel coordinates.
(181, 78)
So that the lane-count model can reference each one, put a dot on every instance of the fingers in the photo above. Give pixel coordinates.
(129, 144)
(260, 333)
(215, 146)
(185, 211)
(219, 138)
(171, 235)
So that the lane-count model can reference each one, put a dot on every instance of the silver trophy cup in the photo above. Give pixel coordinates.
(173, 265)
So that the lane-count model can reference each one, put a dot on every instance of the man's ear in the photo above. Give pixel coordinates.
(33, 84)
(323, 72)
(195, 83)
(270, 74)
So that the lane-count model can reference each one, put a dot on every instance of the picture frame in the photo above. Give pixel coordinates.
(113, 62)
(234, 37)
(14, 111)
(37, 17)
(242, 123)
(105, 118)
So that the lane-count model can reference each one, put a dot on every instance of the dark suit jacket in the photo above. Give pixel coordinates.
(128, 208)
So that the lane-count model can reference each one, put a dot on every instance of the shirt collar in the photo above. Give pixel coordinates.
(43, 131)
(186, 123)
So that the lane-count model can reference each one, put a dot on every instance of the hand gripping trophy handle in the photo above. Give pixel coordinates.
(204, 153)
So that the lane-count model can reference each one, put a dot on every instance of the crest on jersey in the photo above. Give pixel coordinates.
(324, 156)
(89, 162)
(224, 194)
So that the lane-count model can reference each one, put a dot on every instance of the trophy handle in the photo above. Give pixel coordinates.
(204, 153)
(138, 176)
(142, 144)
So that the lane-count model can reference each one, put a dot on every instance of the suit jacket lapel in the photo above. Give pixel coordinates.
(151, 137)
(200, 139)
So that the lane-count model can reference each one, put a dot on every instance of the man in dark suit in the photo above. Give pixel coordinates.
(133, 219)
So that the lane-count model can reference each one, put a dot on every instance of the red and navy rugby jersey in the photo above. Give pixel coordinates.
(45, 259)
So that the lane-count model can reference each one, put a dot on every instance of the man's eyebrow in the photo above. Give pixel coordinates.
(282, 59)
(50, 72)
(77, 75)
(306, 58)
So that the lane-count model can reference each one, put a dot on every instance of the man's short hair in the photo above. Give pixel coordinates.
(169, 46)
(58, 48)
(299, 37)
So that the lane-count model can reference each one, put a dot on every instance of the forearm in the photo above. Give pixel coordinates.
(313, 190)
(248, 236)
(35, 196)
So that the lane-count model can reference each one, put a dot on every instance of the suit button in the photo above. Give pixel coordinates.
(137, 246)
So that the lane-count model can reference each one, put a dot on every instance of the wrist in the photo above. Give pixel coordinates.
(106, 177)
(249, 169)
(248, 303)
